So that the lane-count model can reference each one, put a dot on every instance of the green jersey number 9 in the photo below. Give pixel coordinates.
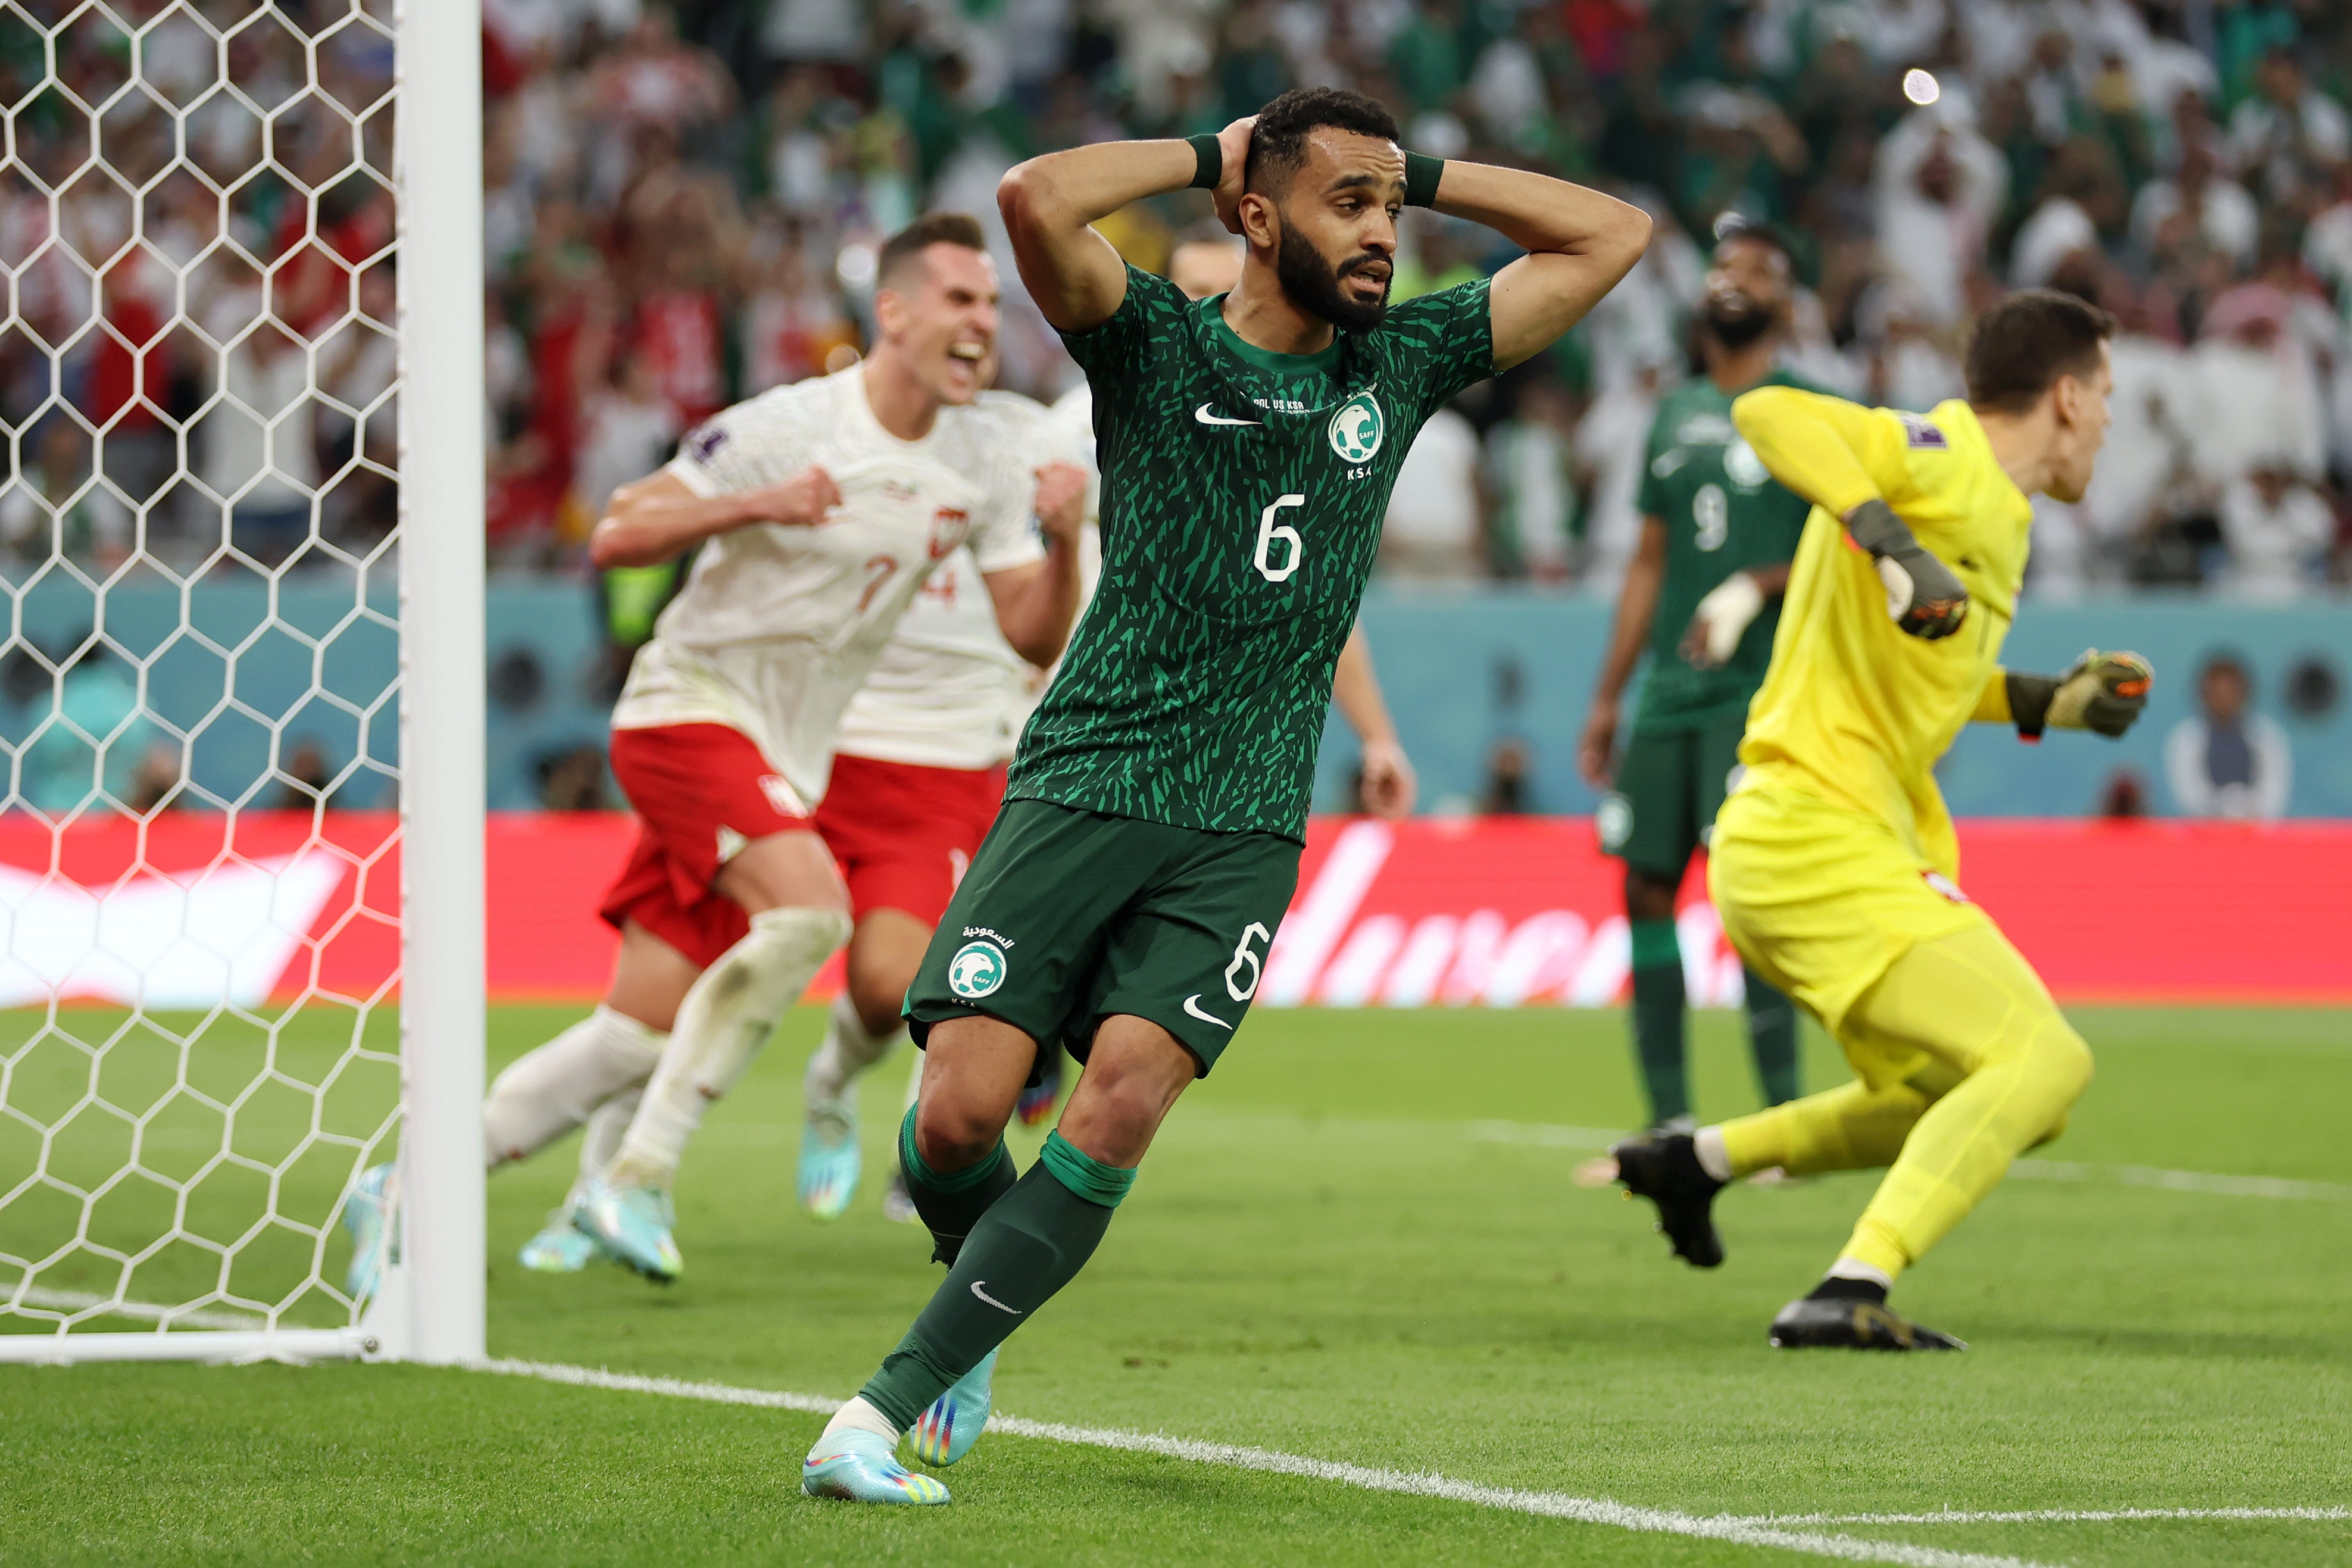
(1269, 532)
(1711, 509)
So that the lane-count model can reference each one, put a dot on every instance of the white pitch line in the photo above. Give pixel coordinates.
(1550, 1505)
(1544, 1135)
(2182, 1180)
(2047, 1516)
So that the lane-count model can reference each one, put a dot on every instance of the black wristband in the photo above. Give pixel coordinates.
(2029, 702)
(1422, 174)
(1876, 528)
(1209, 161)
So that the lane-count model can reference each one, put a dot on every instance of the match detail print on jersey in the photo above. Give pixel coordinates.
(1235, 551)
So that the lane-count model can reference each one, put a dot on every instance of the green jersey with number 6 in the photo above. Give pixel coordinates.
(1243, 493)
(1723, 514)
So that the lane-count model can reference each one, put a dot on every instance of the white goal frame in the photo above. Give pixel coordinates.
(430, 1306)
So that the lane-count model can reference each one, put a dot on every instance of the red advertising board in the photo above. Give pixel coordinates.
(1495, 911)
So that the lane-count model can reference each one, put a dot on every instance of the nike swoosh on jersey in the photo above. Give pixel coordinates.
(991, 1299)
(1205, 418)
(1192, 1005)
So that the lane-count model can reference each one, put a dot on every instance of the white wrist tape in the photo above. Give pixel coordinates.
(1727, 612)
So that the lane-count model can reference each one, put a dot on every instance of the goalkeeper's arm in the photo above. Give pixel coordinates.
(2105, 692)
(1845, 459)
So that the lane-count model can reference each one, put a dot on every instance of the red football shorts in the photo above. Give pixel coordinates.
(701, 791)
(904, 834)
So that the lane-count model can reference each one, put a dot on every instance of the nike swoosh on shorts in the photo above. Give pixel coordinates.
(991, 1299)
(1192, 1005)
(1205, 418)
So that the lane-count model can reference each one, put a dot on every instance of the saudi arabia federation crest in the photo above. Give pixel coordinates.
(1357, 427)
(977, 969)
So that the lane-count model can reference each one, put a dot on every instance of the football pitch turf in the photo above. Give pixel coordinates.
(1357, 1245)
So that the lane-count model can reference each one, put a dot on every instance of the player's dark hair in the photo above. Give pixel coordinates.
(932, 228)
(1733, 225)
(2020, 348)
(1278, 139)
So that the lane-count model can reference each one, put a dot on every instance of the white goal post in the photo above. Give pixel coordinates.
(197, 1061)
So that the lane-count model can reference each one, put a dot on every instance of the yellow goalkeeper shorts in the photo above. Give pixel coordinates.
(1821, 900)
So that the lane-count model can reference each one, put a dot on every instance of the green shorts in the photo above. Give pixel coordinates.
(1667, 791)
(1068, 916)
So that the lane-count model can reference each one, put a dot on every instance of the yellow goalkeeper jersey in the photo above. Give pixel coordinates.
(1854, 710)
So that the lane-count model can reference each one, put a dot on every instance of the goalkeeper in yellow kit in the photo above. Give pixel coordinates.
(1833, 862)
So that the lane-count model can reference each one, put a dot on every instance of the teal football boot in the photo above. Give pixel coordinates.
(859, 1467)
(630, 1225)
(946, 1431)
(367, 1215)
(557, 1249)
(829, 1158)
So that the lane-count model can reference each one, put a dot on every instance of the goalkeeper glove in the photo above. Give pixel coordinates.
(1721, 619)
(2102, 692)
(1923, 596)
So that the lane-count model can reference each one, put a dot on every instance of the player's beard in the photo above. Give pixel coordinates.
(1735, 329)
(1312, 283)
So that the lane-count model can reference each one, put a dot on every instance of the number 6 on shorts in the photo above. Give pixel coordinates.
(1243, 955)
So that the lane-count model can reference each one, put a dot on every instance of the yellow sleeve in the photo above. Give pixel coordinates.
(1992, 702)
(1833, 453)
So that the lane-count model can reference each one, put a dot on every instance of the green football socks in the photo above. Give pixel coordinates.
(1772, 1038)
(1658, 999)
(1030, 1243)
(952, 1204)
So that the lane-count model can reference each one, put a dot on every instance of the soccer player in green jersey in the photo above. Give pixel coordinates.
(1703, 595)
(1125, 901)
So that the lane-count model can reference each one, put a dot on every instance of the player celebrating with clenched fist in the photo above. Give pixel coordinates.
(1125, 899)
(1834, 864)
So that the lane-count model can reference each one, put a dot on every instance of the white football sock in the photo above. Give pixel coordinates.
(859, 1416)
(601, 1144)
(1855, 1268)
(549, 1092)
(848, 1050)
(1713, 1157)
(722, 1023)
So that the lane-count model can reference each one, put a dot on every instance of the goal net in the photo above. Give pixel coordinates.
(228, 745)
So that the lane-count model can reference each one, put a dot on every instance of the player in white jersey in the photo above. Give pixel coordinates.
(948, 694)
(821, 510)
(919, 775)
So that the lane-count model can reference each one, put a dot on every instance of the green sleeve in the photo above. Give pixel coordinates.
(1112, 351)
(1650, 496)
(1438, 344)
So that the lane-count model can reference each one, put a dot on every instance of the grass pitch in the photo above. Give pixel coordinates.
(1358, 1242)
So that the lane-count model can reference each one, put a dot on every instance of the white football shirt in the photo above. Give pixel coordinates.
(948, 691)
(777, 627)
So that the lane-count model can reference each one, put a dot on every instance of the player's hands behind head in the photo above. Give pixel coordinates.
(2102, 692)
(799, 501)
(1233, 142)
(1923, 595)
(1061, 500)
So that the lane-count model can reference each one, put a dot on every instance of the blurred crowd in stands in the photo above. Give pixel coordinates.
(682, 205)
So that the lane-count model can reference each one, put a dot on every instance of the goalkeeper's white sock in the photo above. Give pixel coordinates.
(722, 1023)
(551, 1090)
(848, 1050)
(859, 1416)
(1713, 1157)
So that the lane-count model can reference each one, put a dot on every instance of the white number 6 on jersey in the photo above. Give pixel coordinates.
(1268, 530)
(1243, 955)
